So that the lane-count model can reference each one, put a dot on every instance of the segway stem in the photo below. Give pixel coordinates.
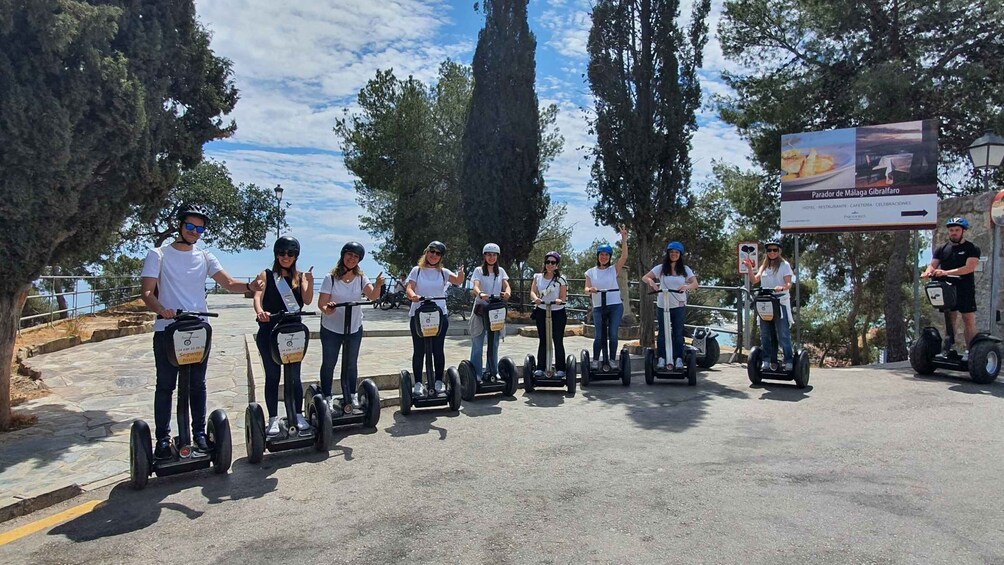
(549, 362)
(184, 393)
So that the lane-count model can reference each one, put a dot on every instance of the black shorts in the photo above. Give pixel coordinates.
(965, 300)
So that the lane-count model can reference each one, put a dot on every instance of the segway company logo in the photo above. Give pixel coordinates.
(190, 346)
(429, 323)
(936, 296)
(292, 346)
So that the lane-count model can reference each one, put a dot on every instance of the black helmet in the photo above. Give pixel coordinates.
(186, 210)
(438, 246)
(354, 247)
(286, 243)
(770, 242)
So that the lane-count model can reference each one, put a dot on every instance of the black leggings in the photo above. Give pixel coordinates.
(558, 320)
(438, 353)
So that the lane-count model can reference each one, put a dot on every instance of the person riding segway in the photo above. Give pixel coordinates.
(608, 309)
(952, 289)
(491, 289)
(549, 291)
(671, 359)
(429, 323)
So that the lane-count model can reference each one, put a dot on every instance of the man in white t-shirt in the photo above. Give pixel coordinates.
(174, 278)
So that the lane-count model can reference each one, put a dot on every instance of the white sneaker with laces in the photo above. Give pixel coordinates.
(660, 364)
(560, 374)
(273, 427)
(419, 390)
(302, 427)
(788, 366)
(440, 388)
(679, 363)
(594, 364)
(355, 401)
(765, 366)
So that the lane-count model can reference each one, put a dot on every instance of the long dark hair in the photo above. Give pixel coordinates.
(681, 267)
(293, 274)
(485, 267)
(557, 270)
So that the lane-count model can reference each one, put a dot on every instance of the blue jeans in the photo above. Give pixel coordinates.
(167, 379)
(677, 316)
(331, 344)
(478, 346)
(263, 339)
(614, 313)
(767, 341)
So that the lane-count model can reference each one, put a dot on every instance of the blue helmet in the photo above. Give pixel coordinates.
(675, 246)
(957, 221)
(605, 248)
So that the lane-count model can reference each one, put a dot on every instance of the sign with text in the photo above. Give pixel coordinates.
(747, 250)
(860, 179)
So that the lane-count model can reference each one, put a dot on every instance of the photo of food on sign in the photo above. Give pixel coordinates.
(817, 160)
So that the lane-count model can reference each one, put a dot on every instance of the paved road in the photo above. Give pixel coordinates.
(869, 466)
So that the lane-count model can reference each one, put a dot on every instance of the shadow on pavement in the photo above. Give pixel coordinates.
(669, 406)
(346, 432)
(546, 397)
(962, 383)
(419, 422)
(57, 430)
(486, 405)
(785, 392)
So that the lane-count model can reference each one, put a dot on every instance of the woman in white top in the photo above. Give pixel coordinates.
(673, 274)
(489, 280)
(345, 283)
(549, 287)
(604, 277)
(775, 273)
(429, 278)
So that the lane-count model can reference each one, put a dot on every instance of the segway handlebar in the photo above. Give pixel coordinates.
(677, 291)
(604, 291)
(769, 292)
(344, 304)
(185, 314)
(280, 316)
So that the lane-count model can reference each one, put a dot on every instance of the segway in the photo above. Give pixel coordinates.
(190, 339)
(342, 413)
(429, 323)
(550, 377)
(669, 371)
(493, 317)
(930, 352)
(288, 346)
(705, 343)
(606, 371)
(768, 307)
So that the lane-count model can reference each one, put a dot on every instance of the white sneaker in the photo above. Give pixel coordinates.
(765, 366)
(560, 374)
(788, 366)
(419, 390)
(440, 388)
(660, 364)
(332, 403)
(355, 401)
(965, 357)
(273, 427)
(538, 374)
(679, 364)
(302, 427)
(594, 364)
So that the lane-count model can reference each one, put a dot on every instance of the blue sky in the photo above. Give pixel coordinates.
(299, 63)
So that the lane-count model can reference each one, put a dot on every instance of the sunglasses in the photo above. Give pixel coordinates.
(550, 262)
(773, 250)
(192, 227)
(293, 254)
(434, 252)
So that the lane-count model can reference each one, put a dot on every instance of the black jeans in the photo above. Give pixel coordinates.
(558, 320)
(438, 353)
(167, 379)
(273, 370)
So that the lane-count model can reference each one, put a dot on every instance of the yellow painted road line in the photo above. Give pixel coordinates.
(55, 519)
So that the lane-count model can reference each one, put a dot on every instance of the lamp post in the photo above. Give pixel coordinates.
(987, 152)
(278, 209)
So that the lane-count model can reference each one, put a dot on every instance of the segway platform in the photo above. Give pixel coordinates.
(428, 320)
(619, 370)
(688, 372)
(369, 402)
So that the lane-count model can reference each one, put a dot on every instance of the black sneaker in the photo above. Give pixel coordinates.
(163, 450)
(200, 443)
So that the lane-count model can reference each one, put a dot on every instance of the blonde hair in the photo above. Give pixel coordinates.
(424, 265)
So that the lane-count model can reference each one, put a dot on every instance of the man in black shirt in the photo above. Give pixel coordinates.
(958, 257)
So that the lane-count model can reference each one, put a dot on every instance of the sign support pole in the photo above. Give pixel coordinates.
(916, 284)
(798, 298)
(995, 276)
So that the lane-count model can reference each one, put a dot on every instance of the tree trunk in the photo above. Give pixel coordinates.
(646, 313)
(852, 317)
(11, 302)
(895, 322)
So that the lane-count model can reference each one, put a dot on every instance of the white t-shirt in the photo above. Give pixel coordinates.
(671, 282)
(548, 290)
(181, 278)
(772, 279)
(604, 279)
(341, 291)
(430, 282)
(490, 284)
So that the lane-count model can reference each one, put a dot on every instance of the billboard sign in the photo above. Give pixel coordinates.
(747, 250)
(869, 178)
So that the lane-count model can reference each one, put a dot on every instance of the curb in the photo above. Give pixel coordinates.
(19, 505)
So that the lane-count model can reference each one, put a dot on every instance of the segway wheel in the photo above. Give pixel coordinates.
(308, 394)
(254, 432)
(584, 361)
(985, 361)
(625, 367)
(369, 398)
(691, 368)
(407, 385)
(569, 380)
(468, 380)
(140, 454)
(923, 350)
(324, 433)
(802, 369)
(571, 366)
(453, 381)
(649, 366)
(507, 370)
(218, 434)
(753, 365)
(712, 351)
(529, 366)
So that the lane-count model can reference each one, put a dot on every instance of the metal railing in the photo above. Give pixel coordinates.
(72, 296)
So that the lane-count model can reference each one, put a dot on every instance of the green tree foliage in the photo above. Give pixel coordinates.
(120, 280)
(820, 65)
(501, 180)
(243, 216)
(643, 73)
(102, 102)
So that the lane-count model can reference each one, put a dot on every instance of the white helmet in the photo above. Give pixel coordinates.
(491, 248)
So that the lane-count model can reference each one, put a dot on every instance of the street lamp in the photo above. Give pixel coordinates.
(987, 152)
(278, 209)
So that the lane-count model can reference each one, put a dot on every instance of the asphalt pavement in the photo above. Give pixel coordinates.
(867, 465)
